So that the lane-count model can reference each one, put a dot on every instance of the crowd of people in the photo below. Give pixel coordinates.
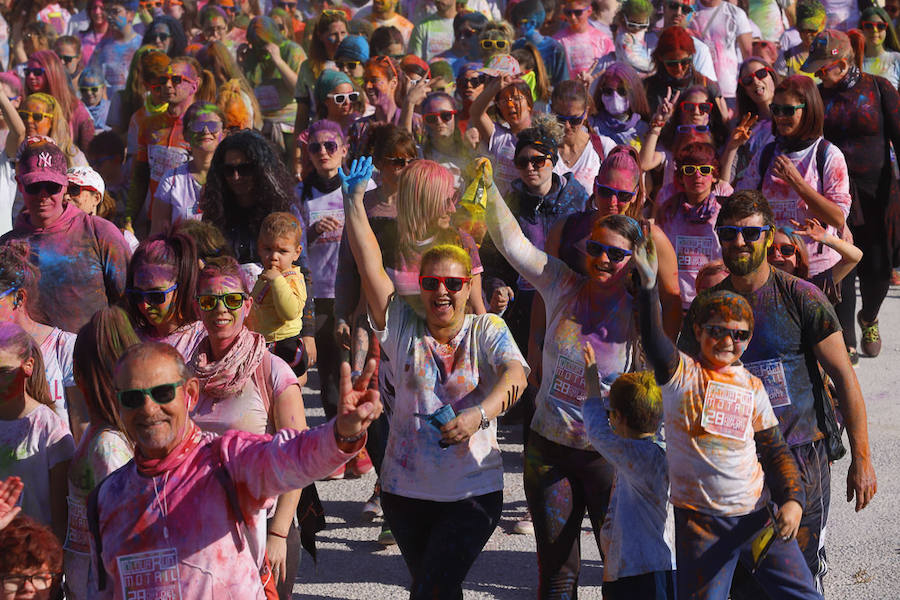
(634, 229)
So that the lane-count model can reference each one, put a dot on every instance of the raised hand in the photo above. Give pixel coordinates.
(646, 262)
(359, 175)
(10, 490)
(591, 374)
(812, 229)
(666, 108)
(359, 405)
(417, 91)
(742, 132)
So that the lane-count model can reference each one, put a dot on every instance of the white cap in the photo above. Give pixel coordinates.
(86, 177)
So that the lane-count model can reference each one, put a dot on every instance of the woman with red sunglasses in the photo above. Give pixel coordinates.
(454, 372)
(882, 53)
(444, 142)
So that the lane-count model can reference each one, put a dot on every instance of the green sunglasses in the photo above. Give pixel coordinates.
(161, 394)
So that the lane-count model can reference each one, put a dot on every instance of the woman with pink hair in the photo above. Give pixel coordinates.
(44, 72)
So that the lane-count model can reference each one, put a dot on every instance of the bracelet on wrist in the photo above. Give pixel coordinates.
(278, 535)
(351, 439)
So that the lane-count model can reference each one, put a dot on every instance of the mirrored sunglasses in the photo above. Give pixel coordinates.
(231, 301)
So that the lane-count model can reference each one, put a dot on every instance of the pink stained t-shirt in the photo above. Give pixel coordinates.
(582, 49)
(710, 418)
(175, 533)
(185, 339)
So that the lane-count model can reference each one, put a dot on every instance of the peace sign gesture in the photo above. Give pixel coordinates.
(742, 132)
(666, 109)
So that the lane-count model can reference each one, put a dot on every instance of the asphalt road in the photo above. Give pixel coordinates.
(863, 548)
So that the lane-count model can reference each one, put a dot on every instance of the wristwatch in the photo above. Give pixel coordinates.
(485, 422)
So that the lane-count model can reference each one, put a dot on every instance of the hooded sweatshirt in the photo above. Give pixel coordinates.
(82, 259)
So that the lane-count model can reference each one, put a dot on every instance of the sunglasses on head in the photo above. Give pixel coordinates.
(785, 250)
(571, 120)
(682, 8)
(207, 126)
(750, 233)
(785, 110)
(718, 332)
(66, 59)
(398, 161)
(445, 115)
(692, 127)
(430, 283)
(613, 253)
(161, 394)
(36, 71)
(37, 117)
(241, 169)
(536, 162)
(231, 300)
(705, 170)
(574, 12)
(498, 44)
(760, 74)
(704, 108)
(348, 65)
(874, 25)
(159, 36)
(683, 62)
(329, 146)
(471, 81)
(339, 99)
(154, 297)
(622, 196)
(37, 188)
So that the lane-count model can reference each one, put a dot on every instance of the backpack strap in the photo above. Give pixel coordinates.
(597, 143)
(821, 149)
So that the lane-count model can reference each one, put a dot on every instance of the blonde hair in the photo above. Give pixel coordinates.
(446, 252)
(425, 193)
(59, 129)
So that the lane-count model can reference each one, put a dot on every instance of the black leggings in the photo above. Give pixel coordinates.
(441, 540)
(560, 483)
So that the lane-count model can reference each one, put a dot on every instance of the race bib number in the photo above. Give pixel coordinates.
(163, 158)
(568, 382)
(78, 538)
(785, 210)
(150, 575)
(727, 410)
(694, 251)
(771, 372)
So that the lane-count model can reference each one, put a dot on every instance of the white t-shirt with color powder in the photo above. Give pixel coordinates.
(57, 350)
(181, 191)
(719, 26)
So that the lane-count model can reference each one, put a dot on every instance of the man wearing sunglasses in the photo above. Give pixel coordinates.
(182, 550)
(82, 258)
(465, 49)
(796, 328)
(112, 55)
(583, 42)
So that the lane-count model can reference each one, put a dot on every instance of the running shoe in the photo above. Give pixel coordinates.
(359, 465)
(524, 526)
(386, 538)
(372, 508)
(871, 339)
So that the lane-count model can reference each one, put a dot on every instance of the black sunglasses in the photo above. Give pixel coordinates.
(240, 169)
(49, 188)
(154, 297)
(66, 59)
(398, 161)
(608, 91)
(159, 36)
(684, 62)
(431, 283)
(445, 115)
(161, 394)
(536, 162)
(679, 7)
(786, 250)
(757, 74)
(574, 12)
(622, 196)
(718, 332)
(785, 110)
(90, 90)
(37, 71)
(316, 147)
(613, 253)
(573, 120)
(471, 81)
(750, 233)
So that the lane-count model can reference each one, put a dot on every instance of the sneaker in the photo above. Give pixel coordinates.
(338, 474)
(524, 526)
(871, 339)
(372, 508)
(359, 465)
(854, 356)
(386, 538)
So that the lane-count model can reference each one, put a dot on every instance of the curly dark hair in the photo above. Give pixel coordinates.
(274, 184)
(26, 544)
